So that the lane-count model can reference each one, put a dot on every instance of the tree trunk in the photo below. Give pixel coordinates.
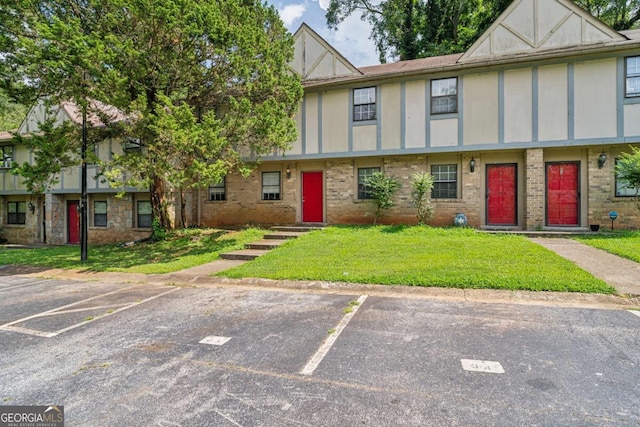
(159, 203)
(183, 209)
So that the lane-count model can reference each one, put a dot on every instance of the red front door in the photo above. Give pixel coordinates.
(312, 197)
(73, 222)
(501, 194)
(563, 200)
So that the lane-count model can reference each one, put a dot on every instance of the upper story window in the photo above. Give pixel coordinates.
(444, 96)
(7, 156)
(364, 104)
(633, 76)
(131, 145)
(17, 212)
(445, 181)
(364, 191)
(270, 185)
(218, 191)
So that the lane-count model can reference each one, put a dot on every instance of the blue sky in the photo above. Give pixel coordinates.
(351, 39)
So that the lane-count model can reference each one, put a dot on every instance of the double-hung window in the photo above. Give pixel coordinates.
(270, 185)
(444, 96)
(7, 156)
(445, 181)
(100, 213)
(364, 190)
(217, 191)
(144, 214)
(364, 104)
(633, 76)
(17, 212)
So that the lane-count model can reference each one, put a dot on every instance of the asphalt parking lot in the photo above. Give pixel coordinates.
(129, 354)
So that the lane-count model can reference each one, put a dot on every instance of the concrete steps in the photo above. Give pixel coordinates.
(270, 241)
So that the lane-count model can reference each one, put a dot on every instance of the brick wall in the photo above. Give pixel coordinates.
(534, 201)
(244, 205)
(602, 197)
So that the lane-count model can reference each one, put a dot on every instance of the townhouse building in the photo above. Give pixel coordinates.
(521, 131)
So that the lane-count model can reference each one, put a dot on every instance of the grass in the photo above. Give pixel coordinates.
(622, 243)
(182, 249)
(421, 256)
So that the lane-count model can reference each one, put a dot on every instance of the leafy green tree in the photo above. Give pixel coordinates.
(382, 187)
(628, 171)
(410, 29)
(421, 185)
(11, 113)
(224, 63)
(618, 14)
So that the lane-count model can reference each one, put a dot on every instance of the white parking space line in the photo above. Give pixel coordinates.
(487, 366)
(331, 339)
(22, 285)
(636, 312)
(61, 310)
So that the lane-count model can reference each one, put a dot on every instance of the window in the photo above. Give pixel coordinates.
(7, 156)
(131, 146)
(633, 76)
(17, 213)
(364, 191)
(445, 183)
(364, 104)
(622, 190)
(100, 214)
(144, 214)
(444, 96)
(217, 191)
(270, 185)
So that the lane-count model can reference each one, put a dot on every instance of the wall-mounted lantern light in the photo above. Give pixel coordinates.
(32, 208)
(472, 164)
(602, 158)
(288, 171)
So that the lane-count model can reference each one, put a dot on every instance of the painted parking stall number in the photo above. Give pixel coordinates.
(482, 366)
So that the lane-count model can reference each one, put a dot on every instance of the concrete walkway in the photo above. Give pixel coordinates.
(621, 273)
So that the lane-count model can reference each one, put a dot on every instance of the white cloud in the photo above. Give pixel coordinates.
(291, 13)
(324, 4)
(352, 41)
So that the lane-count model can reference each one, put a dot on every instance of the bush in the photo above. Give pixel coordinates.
(422, 183)
(382, 188)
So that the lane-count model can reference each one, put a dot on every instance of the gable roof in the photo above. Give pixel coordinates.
(314, 58)
(530, 26)
(39, 113)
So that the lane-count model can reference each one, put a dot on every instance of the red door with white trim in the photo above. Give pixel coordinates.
(563, 196)
(501, 194)
(73, 222)
(312, 197)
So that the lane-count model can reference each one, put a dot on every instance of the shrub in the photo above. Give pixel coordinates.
(382, 188)
(422, 184)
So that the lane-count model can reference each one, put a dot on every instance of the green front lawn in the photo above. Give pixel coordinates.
(183, 249)
(421, 256)
(623, 243)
